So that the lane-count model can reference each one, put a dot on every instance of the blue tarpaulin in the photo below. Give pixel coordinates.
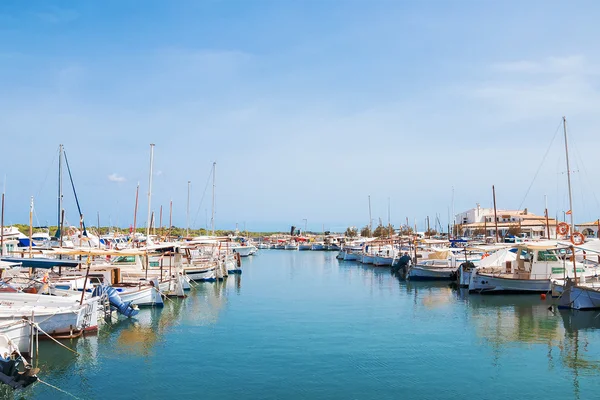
(41, 262)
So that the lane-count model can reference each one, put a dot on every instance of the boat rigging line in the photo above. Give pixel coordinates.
(203, 195)
(541, 165)
(75, 193)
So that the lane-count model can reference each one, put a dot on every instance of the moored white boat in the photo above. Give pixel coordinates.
(368, 258)
(55, 315)
(207, 273)
(580, 296)
(143, 296)
(532, 269)
(291, 246)
(383, 261)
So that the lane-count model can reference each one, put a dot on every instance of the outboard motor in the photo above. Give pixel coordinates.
(123, 307)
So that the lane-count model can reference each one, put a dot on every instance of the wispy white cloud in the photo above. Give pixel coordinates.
(114, 177)
(528, 89)
(574, 64)
(57, 15)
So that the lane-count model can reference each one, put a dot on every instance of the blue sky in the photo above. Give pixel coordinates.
(307, 107)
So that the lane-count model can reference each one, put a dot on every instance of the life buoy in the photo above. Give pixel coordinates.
(238, 259)
(563, 228)
(577, 238)
(485, 255)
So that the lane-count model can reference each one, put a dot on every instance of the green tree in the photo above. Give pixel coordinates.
(405, 230)
(478, 232)
(351, 232)
(381, 231)
(430, 232)
(366, 232)
(390, 230)
(515, 230)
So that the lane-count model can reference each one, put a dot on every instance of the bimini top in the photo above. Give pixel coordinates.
(8, 264)
(41, 262)
(592, 246)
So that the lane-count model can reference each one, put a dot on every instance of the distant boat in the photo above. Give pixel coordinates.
(291, 246)
(318, 246)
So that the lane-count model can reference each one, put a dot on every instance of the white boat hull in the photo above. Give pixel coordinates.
(481, 283)
(367, 259)
(146, 296)
(464, 277)
(425, 273)
(245, 251)
(580, 297)
(380, 261)
(202, 274)
(18, 334)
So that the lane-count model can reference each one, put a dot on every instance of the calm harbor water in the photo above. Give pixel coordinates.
(303, 325)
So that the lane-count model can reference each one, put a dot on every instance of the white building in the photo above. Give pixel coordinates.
(589, 229)
(480, 221)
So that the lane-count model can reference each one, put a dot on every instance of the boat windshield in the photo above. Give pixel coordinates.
(124, 259)
(547, 255)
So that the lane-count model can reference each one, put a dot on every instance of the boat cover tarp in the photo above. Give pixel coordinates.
(498, 258)
(41, 262)
(592, 246)
(440, 255)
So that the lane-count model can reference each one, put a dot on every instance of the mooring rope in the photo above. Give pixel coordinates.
(56, 341)
(59, 389)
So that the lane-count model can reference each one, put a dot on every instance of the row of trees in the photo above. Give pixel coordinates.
(381, 231)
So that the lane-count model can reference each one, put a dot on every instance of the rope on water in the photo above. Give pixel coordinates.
(59, 389)
(56, 341)
(162, 294)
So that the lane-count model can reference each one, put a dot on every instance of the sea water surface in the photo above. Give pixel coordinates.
(303, 325)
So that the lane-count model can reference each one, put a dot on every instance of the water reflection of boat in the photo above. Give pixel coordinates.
(234, 282)
(204, 307)
(506, 321)
(574, 320)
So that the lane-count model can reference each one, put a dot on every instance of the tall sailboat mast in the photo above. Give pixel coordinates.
(568, 176)
(60, 193)
(187, 213)
(212, 218)
(30, 224)
(370, 217)
(149, 221)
